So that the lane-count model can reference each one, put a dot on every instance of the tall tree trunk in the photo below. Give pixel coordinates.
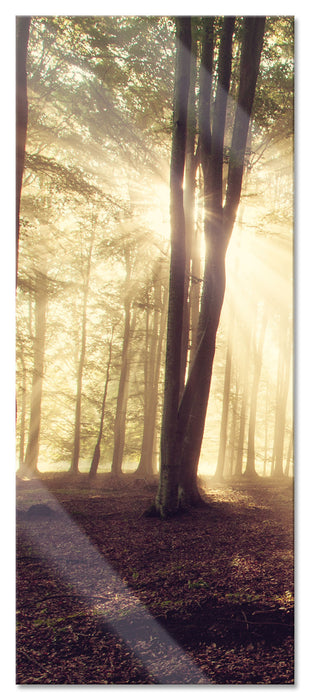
(196, 273)
(240, 445)
(289, 454)
(230, 453)
(32, 452)
(180, 475)
(194, 403)
(219, 223)
(146, 463)
(281, 395)
(225, 404)
(253, 36)
(191, 165)
(96, 456)
(258, 358)
(122, 396)
(266, 430)
(246, 344)
(167, 496)
(74, 468)
(22, 414)
(224, 421)
(123, 387)
(163, 324)
(22, 38)
(192, 411)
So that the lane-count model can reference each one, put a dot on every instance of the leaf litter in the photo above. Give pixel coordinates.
(219, 581)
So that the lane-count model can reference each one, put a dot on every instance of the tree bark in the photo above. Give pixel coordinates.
(123, 387)
(96, 456)
(219, 473)
(32, 452)
(167, 496)
(122, 396)
(258, 358)
(191, 165)
(289, 455)
(146, 466)
(22, 38)
(180, 463)
(253, 37)
(281, 396)
(244, 351)
(219, 223)
(193, 407)
(74, 468)
(230, 453)
(22, 413)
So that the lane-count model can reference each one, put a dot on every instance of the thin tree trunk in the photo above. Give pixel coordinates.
(74, 468)
(146, 463)
(196, 273)
(254, 28)
(224, 422)
(22, 414)
(32, 452)
(225, 404)
(281, 397)
(123, 387)
(258, 357)
(289, 455)
(96, 456)
(266, 431)
(191, 164)
(163, 324)
(246, 344)
(22, 38)
(230, 453)
(122, 396)
(240, 446)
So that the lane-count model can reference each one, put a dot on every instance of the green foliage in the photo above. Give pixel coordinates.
(61, 178)
(274, 101)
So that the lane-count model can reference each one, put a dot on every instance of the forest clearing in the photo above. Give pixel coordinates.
(220, 581)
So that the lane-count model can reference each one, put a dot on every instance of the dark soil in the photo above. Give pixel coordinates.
(219, 580)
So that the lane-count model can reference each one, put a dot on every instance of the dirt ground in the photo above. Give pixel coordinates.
(106, 595)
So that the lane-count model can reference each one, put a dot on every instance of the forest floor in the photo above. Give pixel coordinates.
(106, 595)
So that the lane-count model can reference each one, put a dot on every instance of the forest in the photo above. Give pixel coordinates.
(154, 349)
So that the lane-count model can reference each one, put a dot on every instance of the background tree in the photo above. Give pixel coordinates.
(152, 366)
(96, 455)
(77, 424)
(40, 304)
(123, 387)
(283, 382)
(226, 398)
(22, 38)
(258, 356)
